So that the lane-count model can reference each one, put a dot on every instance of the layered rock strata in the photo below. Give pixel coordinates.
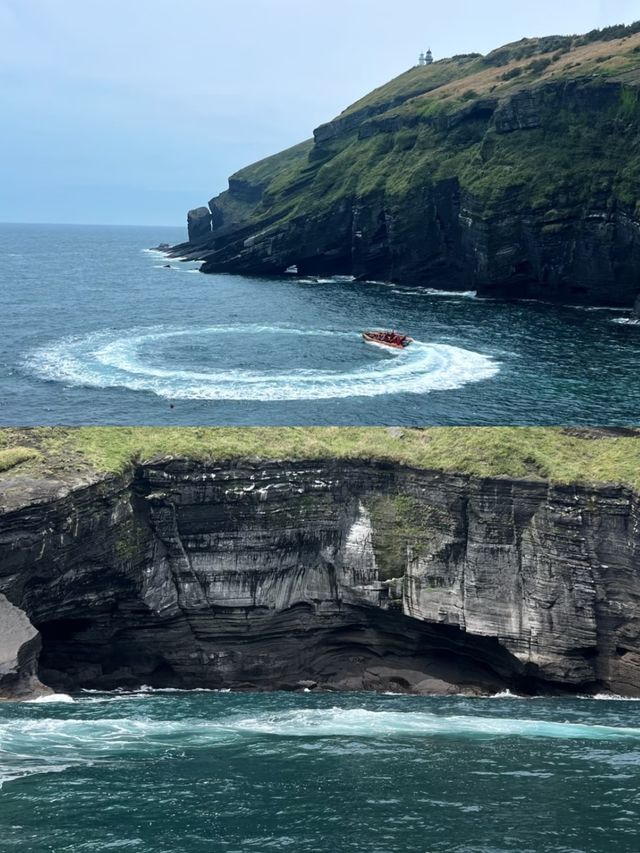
(344, 575)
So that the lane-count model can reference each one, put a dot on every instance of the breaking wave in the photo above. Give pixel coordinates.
(103, 735)
(52, 699)
(627, 321)
(50, 745)
(430, 291)
(114, 359)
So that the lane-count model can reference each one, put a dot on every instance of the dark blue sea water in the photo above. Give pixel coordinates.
(208, 772)
(94, 330)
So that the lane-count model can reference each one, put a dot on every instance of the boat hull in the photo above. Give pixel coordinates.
(373, 339)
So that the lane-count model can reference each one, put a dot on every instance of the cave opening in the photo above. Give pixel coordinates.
(361, 648)
(97, 653)
(62, 630)
(392, 651)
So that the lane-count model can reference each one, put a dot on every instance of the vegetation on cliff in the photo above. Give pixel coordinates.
(412, 138)
(554, 454)
(518, 170)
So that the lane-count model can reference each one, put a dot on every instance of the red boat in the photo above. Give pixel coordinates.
(393, 340)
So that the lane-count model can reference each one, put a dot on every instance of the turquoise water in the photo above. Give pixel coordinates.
(95, 330)
(201, 772)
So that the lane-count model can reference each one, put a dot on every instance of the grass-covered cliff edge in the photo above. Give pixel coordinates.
(587, 456)
(515, 172)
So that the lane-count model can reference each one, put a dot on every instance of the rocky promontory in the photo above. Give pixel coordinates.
(514, 173)
(411, 562)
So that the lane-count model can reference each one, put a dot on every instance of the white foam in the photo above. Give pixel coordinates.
(99, 736)
(362, 723)
(51, 699)
(431, 291)
(9, 775)
(627, 321)
(52, 745)
(113, 360)
(505, 694)
(163, 253)
(597, 308)
(611, 697)
(336, 279)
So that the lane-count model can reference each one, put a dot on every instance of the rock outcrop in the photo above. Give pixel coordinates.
(512, 174)
(199, 224)
(19, 650)
(348, 575)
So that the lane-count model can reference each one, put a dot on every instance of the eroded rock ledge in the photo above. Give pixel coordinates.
(346, 575)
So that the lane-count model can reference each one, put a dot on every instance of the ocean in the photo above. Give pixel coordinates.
(202, 772)
(94, 329)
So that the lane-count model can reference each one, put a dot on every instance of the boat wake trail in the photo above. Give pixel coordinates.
(117, 360)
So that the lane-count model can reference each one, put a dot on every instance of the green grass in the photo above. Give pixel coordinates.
(417, 81)
(578, 154)
(519, 452)
(11, 457)
(265, 170)
(574, 157)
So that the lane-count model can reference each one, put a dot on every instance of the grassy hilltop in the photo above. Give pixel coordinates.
(518, 170)
(420, 144)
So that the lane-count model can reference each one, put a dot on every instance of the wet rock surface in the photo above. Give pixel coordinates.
(346, 575)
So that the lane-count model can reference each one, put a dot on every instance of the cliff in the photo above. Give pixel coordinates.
(347, 572)
(514, 173)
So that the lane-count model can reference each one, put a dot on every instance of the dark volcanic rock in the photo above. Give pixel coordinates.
(199, 224)
(350, 575)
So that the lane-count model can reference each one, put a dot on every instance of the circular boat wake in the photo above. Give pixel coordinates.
(120, 359)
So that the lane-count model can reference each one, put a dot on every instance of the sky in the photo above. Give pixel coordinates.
(134, 111)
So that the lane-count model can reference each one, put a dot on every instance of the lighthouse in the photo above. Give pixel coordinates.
(428, 58)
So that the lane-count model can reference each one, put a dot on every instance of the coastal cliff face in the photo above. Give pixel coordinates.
(350, 575)
(514, 173)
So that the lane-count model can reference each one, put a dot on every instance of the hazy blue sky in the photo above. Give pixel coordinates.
(131, 111)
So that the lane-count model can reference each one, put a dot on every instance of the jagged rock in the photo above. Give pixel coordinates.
(353, 575)
(19, 650)
(199, 224)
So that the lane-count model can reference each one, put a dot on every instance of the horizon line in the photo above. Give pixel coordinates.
(93, 224)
